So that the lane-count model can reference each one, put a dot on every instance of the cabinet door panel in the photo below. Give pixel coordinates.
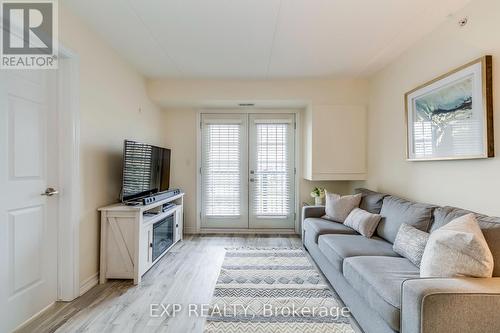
(337, 148)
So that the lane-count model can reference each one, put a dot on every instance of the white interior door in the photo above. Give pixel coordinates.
(28, 220)
(272, 171)
(248, 171)
(224, 182)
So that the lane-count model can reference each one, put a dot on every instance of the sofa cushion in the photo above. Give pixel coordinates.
(318, 227)
(489, 225)
(370, 201)
(338, 247)
(378, 280)
(396, 211)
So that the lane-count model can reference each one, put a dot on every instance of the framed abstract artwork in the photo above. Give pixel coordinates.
(451, 117)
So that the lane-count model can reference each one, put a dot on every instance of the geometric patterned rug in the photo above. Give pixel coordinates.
(273, 291)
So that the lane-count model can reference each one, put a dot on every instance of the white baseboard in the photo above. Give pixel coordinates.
(190, 231)
(89, 283)
(33, 317)
(249, 231)
(193, 231)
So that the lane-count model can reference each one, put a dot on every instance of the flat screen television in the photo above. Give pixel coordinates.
(146, 170)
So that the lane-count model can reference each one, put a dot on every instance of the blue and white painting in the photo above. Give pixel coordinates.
(443, 107)
(451, 117)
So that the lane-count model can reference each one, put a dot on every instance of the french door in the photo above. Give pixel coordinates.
(248, 171)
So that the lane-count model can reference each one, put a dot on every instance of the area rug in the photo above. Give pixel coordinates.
(273, 291)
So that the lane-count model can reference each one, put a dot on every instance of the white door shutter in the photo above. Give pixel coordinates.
(224, 187)
(272, 171)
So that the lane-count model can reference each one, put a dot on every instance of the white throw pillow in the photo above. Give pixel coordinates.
(337, 208)
(362, 221)
(457, 249)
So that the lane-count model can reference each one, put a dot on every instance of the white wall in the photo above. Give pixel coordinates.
(468, 184)
(113, 106)
(182, 99)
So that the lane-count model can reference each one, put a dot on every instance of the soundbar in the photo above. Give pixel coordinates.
(160, 196)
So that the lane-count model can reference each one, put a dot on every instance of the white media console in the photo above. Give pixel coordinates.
(134, 238)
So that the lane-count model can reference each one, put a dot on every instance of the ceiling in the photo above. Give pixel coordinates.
(262, 38)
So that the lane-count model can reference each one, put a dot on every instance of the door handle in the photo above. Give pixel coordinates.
(50, 192)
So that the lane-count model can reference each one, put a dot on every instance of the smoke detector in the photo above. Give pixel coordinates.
(463, 21)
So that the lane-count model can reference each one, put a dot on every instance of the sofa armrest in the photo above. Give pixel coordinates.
(312, 211)
(440, 305)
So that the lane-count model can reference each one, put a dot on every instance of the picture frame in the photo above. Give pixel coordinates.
(451, 117)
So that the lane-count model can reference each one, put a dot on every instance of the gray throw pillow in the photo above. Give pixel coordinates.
(410, 243)
(370, 201)
(337, 208)
(457, 249)
(362, 221)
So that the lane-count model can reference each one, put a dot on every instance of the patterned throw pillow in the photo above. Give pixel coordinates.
(410, 243)
(457, 249)
(337, 208)
(362, 221)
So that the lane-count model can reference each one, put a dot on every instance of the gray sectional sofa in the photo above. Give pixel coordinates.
(383, 290)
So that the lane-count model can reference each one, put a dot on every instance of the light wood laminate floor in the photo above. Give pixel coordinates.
(185, 275)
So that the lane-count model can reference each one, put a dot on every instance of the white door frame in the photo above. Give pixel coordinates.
(68, 231)
(298, 153)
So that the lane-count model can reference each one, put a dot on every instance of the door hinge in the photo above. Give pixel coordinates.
(200, 170)
(295, 125)
(294, 171)
(201, 125)
(294, 216)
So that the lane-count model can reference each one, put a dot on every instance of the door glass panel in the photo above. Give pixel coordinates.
(224, 171)
(272, 179)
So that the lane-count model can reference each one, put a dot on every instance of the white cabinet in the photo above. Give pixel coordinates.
(128, 237)
(335, 142)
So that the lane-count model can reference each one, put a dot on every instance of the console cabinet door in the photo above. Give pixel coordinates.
(145, 250)
(178, 225)
(150, 246)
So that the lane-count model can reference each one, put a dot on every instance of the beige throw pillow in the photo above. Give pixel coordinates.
(362, 221)
(337, 208)
(457, 249)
